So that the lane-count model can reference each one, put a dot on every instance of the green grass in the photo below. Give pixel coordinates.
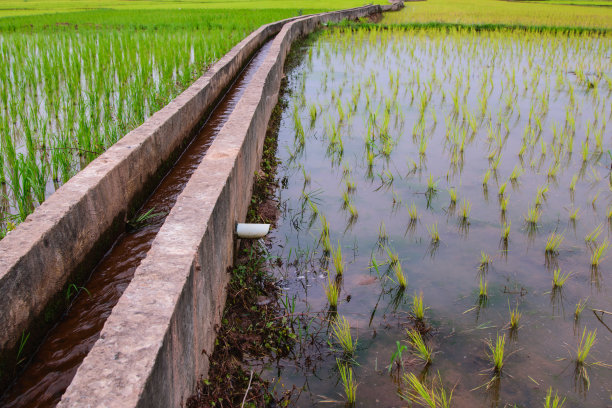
(497, 352)
(341, 333)
(35, 7)
(587, 340)
(493, 12)
(429, 396)
(349, 385)
(419, 348)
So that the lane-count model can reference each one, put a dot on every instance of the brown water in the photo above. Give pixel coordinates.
(52, 368)
(381, 80)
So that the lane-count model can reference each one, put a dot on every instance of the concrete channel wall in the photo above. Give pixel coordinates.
(67, 235)
(155, 344)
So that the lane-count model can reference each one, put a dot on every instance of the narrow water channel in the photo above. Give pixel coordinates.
(54, 365)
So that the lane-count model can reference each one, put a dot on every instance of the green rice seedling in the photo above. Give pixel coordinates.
(423, 146)
(433, 396)
(432, 185)
(541, 194)
(532, 217)
(516, 173)
(485, 261)
(417, 308)
(383, 237)
(595, 197)
(559, 278)
(419, 348)
(337, 259)
(313, 114)
(497, 352)
(412, 212)
(465, 208)
(585, 345)
(515, 318)
(392, 255)
(332, 291)
(433, 233)
(341, 333)
(553, 243)
(573, 182)
(593, 235)
(502, 190)
(505, 232)
(579, 308)
(396, 358)
(353, 212)
(573, 214)
(503, 204)
(599, 252)
(349, 385)
(452, 192)
(553, 401)
(486, 177)
(482, 289)
(399, 275)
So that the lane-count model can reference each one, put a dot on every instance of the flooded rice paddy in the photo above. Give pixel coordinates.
(469, 168)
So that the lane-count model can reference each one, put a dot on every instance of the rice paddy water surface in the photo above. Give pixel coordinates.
(450, 191)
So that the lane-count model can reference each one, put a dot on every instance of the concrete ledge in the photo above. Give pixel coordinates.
(154, 345)
(67, 235)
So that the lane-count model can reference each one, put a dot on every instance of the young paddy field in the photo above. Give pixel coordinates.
(445, 217)
(72, 84)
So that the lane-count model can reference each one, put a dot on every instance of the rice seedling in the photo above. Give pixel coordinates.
(432, 185)
(573, 214)
(417, 308)
(433, 233)
(486, 177)
(392, 255)
(502, 190)
(503, 204)
(412, 212)
(559, 278)
(482, 289)
(553, 243)
(341, 334)
(419, 348)
(505, 231)
(452, 192)
(337, 259)
(383, 237)
(515, 318)
(573, 182)
(587, 340)
(599, 252)
(332, 291)
(593, 235)
(532, 217)
(432, 396)
(485, 261)
(349, 385)
(465, 208)
(553, 401)
(400, 278)
(516, 173)
(579, 308)
(497, 352)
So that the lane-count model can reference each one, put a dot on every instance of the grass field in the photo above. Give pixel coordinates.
(20, 8)
(540, 13)
(60, 109)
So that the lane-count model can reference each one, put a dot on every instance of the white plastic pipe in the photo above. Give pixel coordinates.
(252, 231)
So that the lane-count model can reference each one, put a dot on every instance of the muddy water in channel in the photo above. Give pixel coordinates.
(52, 368)
(371, 117)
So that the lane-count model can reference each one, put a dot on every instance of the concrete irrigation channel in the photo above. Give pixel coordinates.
(145, 346)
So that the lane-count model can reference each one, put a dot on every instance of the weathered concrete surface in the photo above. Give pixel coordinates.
(154, 345)
(66, 236)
